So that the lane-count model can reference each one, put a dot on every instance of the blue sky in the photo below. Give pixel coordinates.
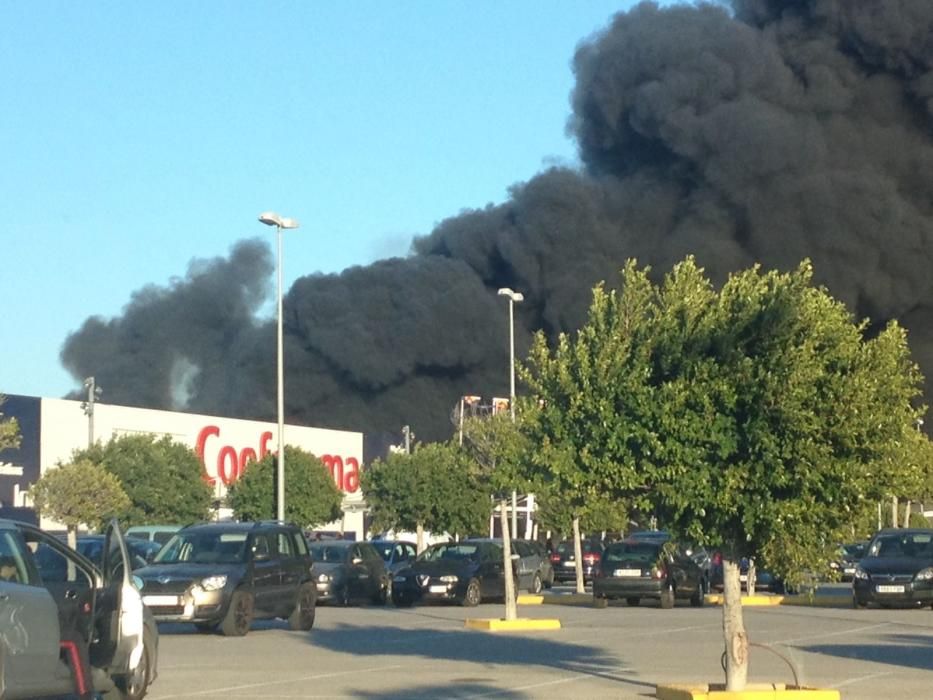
(136, 137)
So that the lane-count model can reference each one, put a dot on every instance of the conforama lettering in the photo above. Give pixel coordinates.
(230, 463)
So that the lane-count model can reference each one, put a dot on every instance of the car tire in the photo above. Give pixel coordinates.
(698, 599)
(342, 597)
(401, 601)
(536, 585)
(667, 597)
(633, 601)
(136, 685)
(239, 617)
(859, 604)
(472, 595)
(382, 594)
(302, 617)
(600, 601)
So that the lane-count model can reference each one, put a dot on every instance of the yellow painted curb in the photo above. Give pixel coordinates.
(530, 599)
(753, 691)
(818, 601)
(520, 625)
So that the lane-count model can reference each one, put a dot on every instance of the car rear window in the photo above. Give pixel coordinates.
(327, 552)
(639, 551)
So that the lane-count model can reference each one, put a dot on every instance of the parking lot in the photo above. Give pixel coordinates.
(619, 652)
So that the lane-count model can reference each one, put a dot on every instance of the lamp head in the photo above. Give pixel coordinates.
(270, 218)
(512, 295)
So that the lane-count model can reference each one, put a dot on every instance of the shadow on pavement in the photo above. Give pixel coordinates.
(910, 650)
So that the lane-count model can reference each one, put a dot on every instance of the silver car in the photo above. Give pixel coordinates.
(43, 581)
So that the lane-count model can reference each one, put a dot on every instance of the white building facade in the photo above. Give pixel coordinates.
(52, 429)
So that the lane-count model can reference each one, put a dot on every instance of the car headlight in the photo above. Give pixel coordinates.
(449, 579)
(213, 583)
(399, 579)
(925, 575)
(323, 578)
(860, 573)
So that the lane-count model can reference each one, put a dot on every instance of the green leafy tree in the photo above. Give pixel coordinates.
(311, 496)
(79, 493)
(162, 478)
(432, 488)
(9, 430)
(759, 419)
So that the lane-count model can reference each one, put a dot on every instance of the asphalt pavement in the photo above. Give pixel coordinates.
(618, 652)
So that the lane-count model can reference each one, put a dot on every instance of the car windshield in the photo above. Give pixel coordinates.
(453, 550)
(854, 550)
(204, 548)
(586, 546)
(327, 552)
(909, 546)
(629, 551)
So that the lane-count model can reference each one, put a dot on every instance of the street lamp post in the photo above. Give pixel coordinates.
(270, 218)
(93, 392)
(514, 298)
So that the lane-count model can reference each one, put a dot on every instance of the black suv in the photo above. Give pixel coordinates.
(226, 574)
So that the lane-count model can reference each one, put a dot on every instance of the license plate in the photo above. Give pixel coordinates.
(743, 578)
(848, 570)
(626, 572)
(161, 600)
(437, 589)
(889, 589)
(568, 564)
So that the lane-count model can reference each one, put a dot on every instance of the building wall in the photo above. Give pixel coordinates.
(225, 445)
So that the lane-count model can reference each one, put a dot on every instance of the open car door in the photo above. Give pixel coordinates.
(120, 621)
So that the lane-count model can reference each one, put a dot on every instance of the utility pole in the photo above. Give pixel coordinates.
(408, 435)
(93, 393)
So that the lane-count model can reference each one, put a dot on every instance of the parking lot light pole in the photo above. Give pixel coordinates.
(270, 218)
(514, 298)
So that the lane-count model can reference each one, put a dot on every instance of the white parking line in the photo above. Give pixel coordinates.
(832, 634)
(852, 681)
(265, 684)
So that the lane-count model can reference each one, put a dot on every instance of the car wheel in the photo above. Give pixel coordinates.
(536, 584)
(600, 601)
(633, 602)
(135, 685)
(382, 594)
(302, 617)
(667, 597)
(239, 617)
(698, 599)
(342, 597)
(205, 627)
(858, 604)
(472, 595)
(401, 601)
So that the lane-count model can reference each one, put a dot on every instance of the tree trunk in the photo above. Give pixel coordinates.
(419, 536)
(578, 555)
(752, 577)
(893, 511)
(510, 611)
(72, 539)
(907, 514)
(733, 627)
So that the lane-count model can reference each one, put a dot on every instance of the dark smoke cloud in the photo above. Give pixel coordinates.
(772, 132)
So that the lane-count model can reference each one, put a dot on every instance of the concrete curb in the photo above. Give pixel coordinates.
(753, 691)
(815, 601)
(520, 625)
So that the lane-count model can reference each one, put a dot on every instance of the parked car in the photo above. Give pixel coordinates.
(226, 574)
(764, 579)
(635, 569)
(564, 563)
(395, 553)
(896, 570)
(44, 582)
(700, 556)
(465, 572)
(141, 551)
(346, 571)
(535, 570)
(847, 559)
(154, 533)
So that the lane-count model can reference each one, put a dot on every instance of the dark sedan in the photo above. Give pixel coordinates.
(347, 571)
(897, 570)
(461, 572)
(635, 569)
(848, 557)
(564, 562)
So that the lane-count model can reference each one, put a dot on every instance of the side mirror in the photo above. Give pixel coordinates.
(516, 557)
(357, 560)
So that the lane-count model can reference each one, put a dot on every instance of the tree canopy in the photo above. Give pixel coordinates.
(758, 419)
(311, 496)
(434, 487)
(80, 493)
(162, 478)
(9, 430)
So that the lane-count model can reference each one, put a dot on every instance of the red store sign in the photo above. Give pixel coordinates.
(230, 463)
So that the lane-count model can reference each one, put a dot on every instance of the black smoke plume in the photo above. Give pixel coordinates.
(766, 132)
